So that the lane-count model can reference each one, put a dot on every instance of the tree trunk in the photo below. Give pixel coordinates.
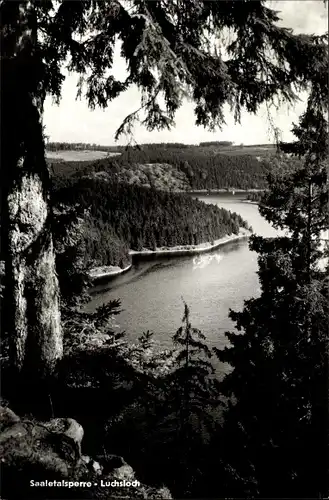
(30, 313)
(33, 291)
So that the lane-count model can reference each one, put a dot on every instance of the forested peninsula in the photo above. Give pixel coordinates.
(121, 217)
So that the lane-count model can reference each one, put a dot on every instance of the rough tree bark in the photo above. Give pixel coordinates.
(30, 313)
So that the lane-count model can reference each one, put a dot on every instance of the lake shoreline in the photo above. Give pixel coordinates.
(251, 202)
(222, 191)
(101, 272)
(104, 272)
(193, 249)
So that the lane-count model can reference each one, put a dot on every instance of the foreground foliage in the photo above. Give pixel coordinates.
(276, 429)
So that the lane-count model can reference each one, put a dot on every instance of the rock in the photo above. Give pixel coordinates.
(91, 465)
(36, 450)
(163, 493)
(97, 468)
(7, 418)
(149, 493)
(69, 428)
(85, 459)
(51, 451)
(124, 472)
(25, 447)
(16, 431)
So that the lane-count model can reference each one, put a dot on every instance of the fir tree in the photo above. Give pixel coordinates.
(194, 396)
(275, 432)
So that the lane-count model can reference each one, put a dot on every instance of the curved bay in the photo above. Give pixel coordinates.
(151, 293)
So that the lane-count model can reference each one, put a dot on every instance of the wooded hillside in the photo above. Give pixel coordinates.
(198, 167)
(137, 217)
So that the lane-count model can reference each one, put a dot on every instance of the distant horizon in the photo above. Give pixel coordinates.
(155, 143)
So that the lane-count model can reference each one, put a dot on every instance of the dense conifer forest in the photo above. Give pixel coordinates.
(204, 169)
(201, 168)
(122, 216)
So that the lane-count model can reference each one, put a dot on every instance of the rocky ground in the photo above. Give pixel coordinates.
(43, 460)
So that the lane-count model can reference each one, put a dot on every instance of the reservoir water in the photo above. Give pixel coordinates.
(151, 292)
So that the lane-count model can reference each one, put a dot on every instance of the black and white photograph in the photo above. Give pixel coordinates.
(164, 249)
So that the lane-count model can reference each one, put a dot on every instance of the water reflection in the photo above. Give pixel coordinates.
(201, 261)
(210, 284)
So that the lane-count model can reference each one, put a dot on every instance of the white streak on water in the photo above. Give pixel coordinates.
(202, 261)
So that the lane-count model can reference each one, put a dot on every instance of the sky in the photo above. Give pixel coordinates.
(73, 121)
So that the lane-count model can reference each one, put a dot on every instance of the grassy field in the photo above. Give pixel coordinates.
(71, 155)
(253, 150)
